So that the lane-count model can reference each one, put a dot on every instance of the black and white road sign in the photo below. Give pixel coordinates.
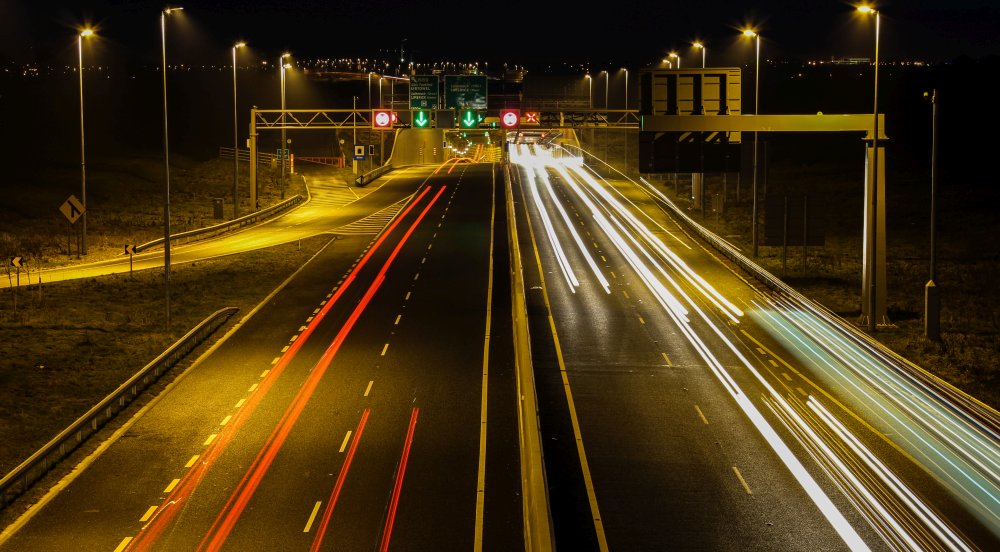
(17, 262)
(130, 250)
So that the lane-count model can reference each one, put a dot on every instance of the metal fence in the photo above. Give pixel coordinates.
(18, 481)
(217, 229)
(263, 158)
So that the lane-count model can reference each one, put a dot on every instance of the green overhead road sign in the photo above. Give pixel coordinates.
(421, 119)
(424, 92)
(465, 91)
(470, 119)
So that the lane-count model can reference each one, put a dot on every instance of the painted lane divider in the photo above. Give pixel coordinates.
(148, 535)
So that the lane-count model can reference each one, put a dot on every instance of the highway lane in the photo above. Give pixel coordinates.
(333, 207)
(646, 418)
(397, 360)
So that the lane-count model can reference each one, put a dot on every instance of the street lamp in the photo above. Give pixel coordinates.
(86, 33)
(673, 55)
(626, 87)
(872, 299)
(284, 141)
(590, 84)
(236, 145)
(932, 301)
(750, 33)
(701, 46)
(166, 163)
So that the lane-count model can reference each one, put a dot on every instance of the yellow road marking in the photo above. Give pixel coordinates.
(192, 461)
(369, 388)
(641, 321)
(743, 482)
(171, 486)
(613, 276)
(121, 546)
(625, 293)
(294, 337)
(666, 358)
(701, 415)
(324, 301)
(773, 363)
(240, 402)
(265, 373)
(149, 513)
(477, 542)
(316, 311)
(275, 361)
(398, 316)
(312, 517)
(803, 391)
(424, 260)
(787, 377)
(310, 319)
(252, 388)
(761, 351)
(384, 349)
(285, 348)
(430, 245)
(416, 276)
(407, 298)
(603, 259)
(210, 439)
(302, 328)
(226, 420)
(347, 439)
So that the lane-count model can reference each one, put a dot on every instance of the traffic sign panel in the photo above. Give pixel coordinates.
(421, 118)
(423, 92)
(130, 250)
(382, 119)
(17, 262)
(465, 91)
(470, 119)
(72, 209)
(510, 118)
(359, 152)
(531, 118)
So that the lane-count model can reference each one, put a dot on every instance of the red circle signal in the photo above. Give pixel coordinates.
(510, 118)
(382, 119)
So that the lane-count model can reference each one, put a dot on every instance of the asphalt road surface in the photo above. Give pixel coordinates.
(362, 405)
(679, 413)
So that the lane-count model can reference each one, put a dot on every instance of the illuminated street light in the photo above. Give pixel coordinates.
(677, 57)
(872, 272)
(590, 83)
(750, 33)
(626, 87)
(86, 33)
(236, 144)
(166, 163)
(701, 46)
(282, 65)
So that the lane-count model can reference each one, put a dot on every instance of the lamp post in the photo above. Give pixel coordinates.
(86, 33)
(872, 255)
(932, 301)
(673, 55)
(590, 85)
(626, 86)
(750, 33)
(701, 46)
(284, 140)
(236, 144)
(166, 163)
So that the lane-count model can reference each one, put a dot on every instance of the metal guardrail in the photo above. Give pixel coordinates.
(263, 158)
(18, 481)
(217, 229)
(538, 535)
(364, 179)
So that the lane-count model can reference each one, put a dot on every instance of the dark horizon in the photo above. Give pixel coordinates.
(519, 33)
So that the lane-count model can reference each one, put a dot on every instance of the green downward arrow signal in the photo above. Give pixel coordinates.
(421, 120)
(469, 120)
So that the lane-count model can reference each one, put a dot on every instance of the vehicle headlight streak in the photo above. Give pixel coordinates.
(795, 467)
(953, 440)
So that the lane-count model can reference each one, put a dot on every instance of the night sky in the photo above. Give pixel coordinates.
(529, 33)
